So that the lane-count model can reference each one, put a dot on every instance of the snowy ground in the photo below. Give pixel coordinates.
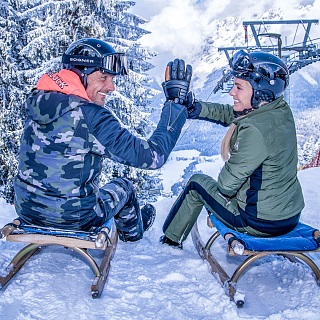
(153, 281)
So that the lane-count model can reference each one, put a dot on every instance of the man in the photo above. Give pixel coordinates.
(69, 131)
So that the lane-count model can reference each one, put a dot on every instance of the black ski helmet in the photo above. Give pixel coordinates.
(268, 74)
(88, 55)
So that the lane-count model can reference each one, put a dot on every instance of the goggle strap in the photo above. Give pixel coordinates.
(115, 63)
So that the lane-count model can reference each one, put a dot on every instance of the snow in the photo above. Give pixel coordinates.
(149, 280)
(309, 78)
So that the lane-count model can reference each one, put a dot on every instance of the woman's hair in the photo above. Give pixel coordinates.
(225, 144)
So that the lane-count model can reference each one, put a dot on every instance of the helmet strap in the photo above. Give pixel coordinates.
(83, 74)
(261, 96)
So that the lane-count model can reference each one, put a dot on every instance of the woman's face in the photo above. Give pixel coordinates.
(241, 93)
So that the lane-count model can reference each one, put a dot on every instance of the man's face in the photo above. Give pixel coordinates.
(98, 86)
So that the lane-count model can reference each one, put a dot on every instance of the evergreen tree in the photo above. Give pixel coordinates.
(34, 35)
(11, 113)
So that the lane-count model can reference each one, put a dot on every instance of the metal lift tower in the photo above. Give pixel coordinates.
(296, 55)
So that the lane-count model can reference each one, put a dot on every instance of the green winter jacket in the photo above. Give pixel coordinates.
(261, 175)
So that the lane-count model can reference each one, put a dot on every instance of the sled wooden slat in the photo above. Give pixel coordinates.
(105, 240)
(50, 239)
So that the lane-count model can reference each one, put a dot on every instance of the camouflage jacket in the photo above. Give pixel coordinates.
(62, 147)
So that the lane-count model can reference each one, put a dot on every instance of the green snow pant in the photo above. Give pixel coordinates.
(202, 190)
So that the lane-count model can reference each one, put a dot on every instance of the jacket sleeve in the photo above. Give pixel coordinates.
(247, 154)
(118, 144)
(216, 112)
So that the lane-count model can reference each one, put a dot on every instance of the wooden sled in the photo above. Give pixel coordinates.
(105, 238)
(293, 246)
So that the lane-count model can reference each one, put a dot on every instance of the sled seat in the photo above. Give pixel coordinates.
(293, 245)
(103, 238)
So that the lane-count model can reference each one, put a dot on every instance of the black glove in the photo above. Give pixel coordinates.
(177, 81)
(193, 106)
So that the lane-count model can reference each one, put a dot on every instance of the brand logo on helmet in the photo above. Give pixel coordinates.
(81, 60)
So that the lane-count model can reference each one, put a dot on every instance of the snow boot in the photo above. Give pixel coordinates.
(169, 242)
(148, 214)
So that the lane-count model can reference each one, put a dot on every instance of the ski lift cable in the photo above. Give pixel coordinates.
(295, 34)
(266, 32)
(192, 121)
(265, 27)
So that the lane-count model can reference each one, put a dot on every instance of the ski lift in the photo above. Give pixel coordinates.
(296, 55)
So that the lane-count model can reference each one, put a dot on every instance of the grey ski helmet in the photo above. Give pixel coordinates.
(268, 74)
(88, 55)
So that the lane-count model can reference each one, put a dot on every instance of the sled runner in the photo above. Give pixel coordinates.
(104, 238)
(293, 246)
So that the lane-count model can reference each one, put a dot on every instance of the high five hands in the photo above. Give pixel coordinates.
(177, 81)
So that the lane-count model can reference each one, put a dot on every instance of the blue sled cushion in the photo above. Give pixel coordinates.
(299, 239)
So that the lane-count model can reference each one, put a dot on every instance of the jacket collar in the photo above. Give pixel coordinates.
(65, 81)
(280, 102)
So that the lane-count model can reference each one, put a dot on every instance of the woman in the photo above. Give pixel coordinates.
(257, 191)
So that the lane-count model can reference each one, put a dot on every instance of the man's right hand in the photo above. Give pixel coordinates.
(177, 81)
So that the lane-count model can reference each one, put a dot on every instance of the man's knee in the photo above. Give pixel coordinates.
(121, 187)
(126, 185)
(114, 196)
(129, 222)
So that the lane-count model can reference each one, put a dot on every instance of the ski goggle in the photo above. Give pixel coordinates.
(241, 66)
(113, 63)
(241, 62)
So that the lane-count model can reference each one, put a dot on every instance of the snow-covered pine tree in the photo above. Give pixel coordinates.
(34, 35)
(11, 111)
